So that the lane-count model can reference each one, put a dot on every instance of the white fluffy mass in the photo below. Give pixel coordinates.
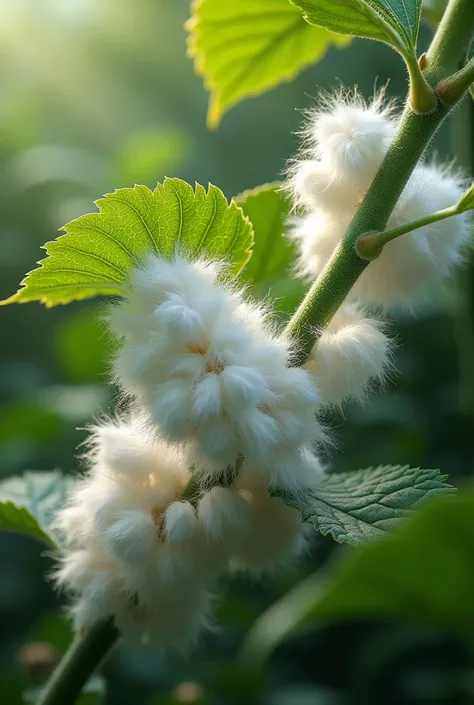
(211, 372)
(131, 548)
(351, 354)
(277, 536)
(348, 140)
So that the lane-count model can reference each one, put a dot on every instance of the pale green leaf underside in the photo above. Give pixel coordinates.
(393, 21)
(267, 207)
(28, 503)
(99, 249)
(358, 506)
(245, 47)
(422, 574)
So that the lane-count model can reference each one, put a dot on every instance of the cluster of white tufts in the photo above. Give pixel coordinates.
(212, 391)
(346, 143)
(352, 354)
(212, 374)
(132, 548)
(209, 381)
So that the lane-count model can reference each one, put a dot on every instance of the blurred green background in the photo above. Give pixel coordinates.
(99, 94)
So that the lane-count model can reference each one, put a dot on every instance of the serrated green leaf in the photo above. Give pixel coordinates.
(466, 202)
(422, 574)
(99, 249)
(395, 22)
(358, 506)
(267, 207)
(245, 47)
(28, 503)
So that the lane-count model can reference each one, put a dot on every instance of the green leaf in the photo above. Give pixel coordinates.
(358, 506)
(466, 202)
(99, 249)
(422, 574)
(28, 503)
(267, 207)
(245, 47)
(81, 346)
(395, 22)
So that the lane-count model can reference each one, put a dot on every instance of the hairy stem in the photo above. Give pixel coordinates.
(370, 246)
(422, 98)
(345, 266)
(81, 660)
(451, 42)
(451, 89)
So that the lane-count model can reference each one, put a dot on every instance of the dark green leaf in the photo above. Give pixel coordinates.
(245, 47)
(422, 574)
(99, 249)
(358, 506)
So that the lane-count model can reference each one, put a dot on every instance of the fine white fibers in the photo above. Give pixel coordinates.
(208, 367)
(350, 354)
(277, 535)
(347, 143)
(131, 548)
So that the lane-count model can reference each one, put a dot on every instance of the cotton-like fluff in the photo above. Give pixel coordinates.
(210, 371)
(277, 537)
(408, 264)
(348, 147)
(132, 549)
(345, 143)
(351, 354)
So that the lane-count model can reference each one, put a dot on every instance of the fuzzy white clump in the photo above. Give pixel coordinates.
(346, 141)
(133, 549)
(277, 536)
(410, 262)
(347, 144)
(350, 355)
(210, 370)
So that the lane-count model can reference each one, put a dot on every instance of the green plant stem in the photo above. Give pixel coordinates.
(345, 266)
(370, 246)
(451, 90)
(81, 660)
(450, 45)
(422, 97)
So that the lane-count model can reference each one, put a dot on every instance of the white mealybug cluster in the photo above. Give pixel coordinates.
(212, 374)
(347, 141)
(213, 392)
(133, 549)
(352, 353)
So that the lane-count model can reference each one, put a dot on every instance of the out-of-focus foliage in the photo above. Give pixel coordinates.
(28, 503)
(268, 209)
(245, 47)
(422, 575)
(433, 11)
